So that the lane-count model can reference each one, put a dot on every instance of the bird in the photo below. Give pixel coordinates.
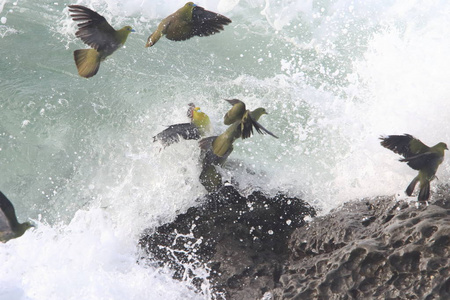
(418, 156)
(188, 21)
(199, 126)
(239, 113)
(10, 228)
(96, 32)
(216, 149)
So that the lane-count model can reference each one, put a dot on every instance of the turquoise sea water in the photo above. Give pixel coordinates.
(77, 155)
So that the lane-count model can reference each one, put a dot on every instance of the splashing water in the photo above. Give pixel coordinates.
(77, 156)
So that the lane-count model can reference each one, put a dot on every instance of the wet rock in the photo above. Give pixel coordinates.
(258, 247)
(371, 249)
(242, 242)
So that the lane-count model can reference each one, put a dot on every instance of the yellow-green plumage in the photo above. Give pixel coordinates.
(418, 156)
(201, 121)
(235, 113)
(216, 149)
(10, 228)
(190, 20)
(224, 142)
(96, 32)
(248, 120)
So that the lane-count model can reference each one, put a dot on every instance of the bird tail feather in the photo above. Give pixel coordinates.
(411, 186)
(87, 61)
(424, 193)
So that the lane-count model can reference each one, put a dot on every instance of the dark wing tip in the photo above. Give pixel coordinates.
(8, 209)
(233, 101)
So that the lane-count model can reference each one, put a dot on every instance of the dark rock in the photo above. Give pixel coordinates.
(257, 247)
(372, 249)
(241, 241)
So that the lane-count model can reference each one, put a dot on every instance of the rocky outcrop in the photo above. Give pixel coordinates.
(258, 247)
(240, 241)
(372, 249)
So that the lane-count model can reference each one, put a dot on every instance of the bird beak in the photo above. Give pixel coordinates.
(132, 30)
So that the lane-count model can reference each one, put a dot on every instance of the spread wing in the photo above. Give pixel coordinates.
(206, 22)
(423, 160)
(172, 134)
(7, 214)
(261, 130)
(235, 113)
(95, 31)
(405, 145)
(247, 125)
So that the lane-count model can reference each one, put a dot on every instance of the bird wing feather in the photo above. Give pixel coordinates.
(261, 130)
(405, 145)
(172, 134)
(235, 113)
(95, 31)
(8, 210)
(422, 160)
(206, 22)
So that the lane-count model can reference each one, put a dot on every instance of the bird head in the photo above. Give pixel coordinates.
(127, 29)
(123, 33)
(257, 113)
(24, 227)
(186, 11)
(190, 4)
(442, 146)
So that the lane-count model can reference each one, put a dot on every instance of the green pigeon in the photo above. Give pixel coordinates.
(190, 20)
(239, 113)
(418, 156)
(10, 228)
(199, 126)
(96, 32)
(216, 149)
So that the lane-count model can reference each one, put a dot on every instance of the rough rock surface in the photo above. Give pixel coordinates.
(240, 241)
(257, 247)
(374, 249)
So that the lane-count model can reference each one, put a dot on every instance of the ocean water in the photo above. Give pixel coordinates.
(77, 155)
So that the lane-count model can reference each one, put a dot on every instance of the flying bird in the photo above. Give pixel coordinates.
(96, 32)
(418, 156)
(190, 20)
(199, 126)
(10, 228)
(216, 149)
(247, 119)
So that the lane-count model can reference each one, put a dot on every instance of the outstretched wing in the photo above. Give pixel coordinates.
(261, 130)
(235, 113)
(423, 160)
(95, 31)
(206, 22)
(405, 145)
(172, 134)
(247, 125)
(8, 212)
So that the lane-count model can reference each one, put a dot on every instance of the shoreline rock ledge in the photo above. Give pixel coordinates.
(372, 249)
(241, 242)
(258, 247)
